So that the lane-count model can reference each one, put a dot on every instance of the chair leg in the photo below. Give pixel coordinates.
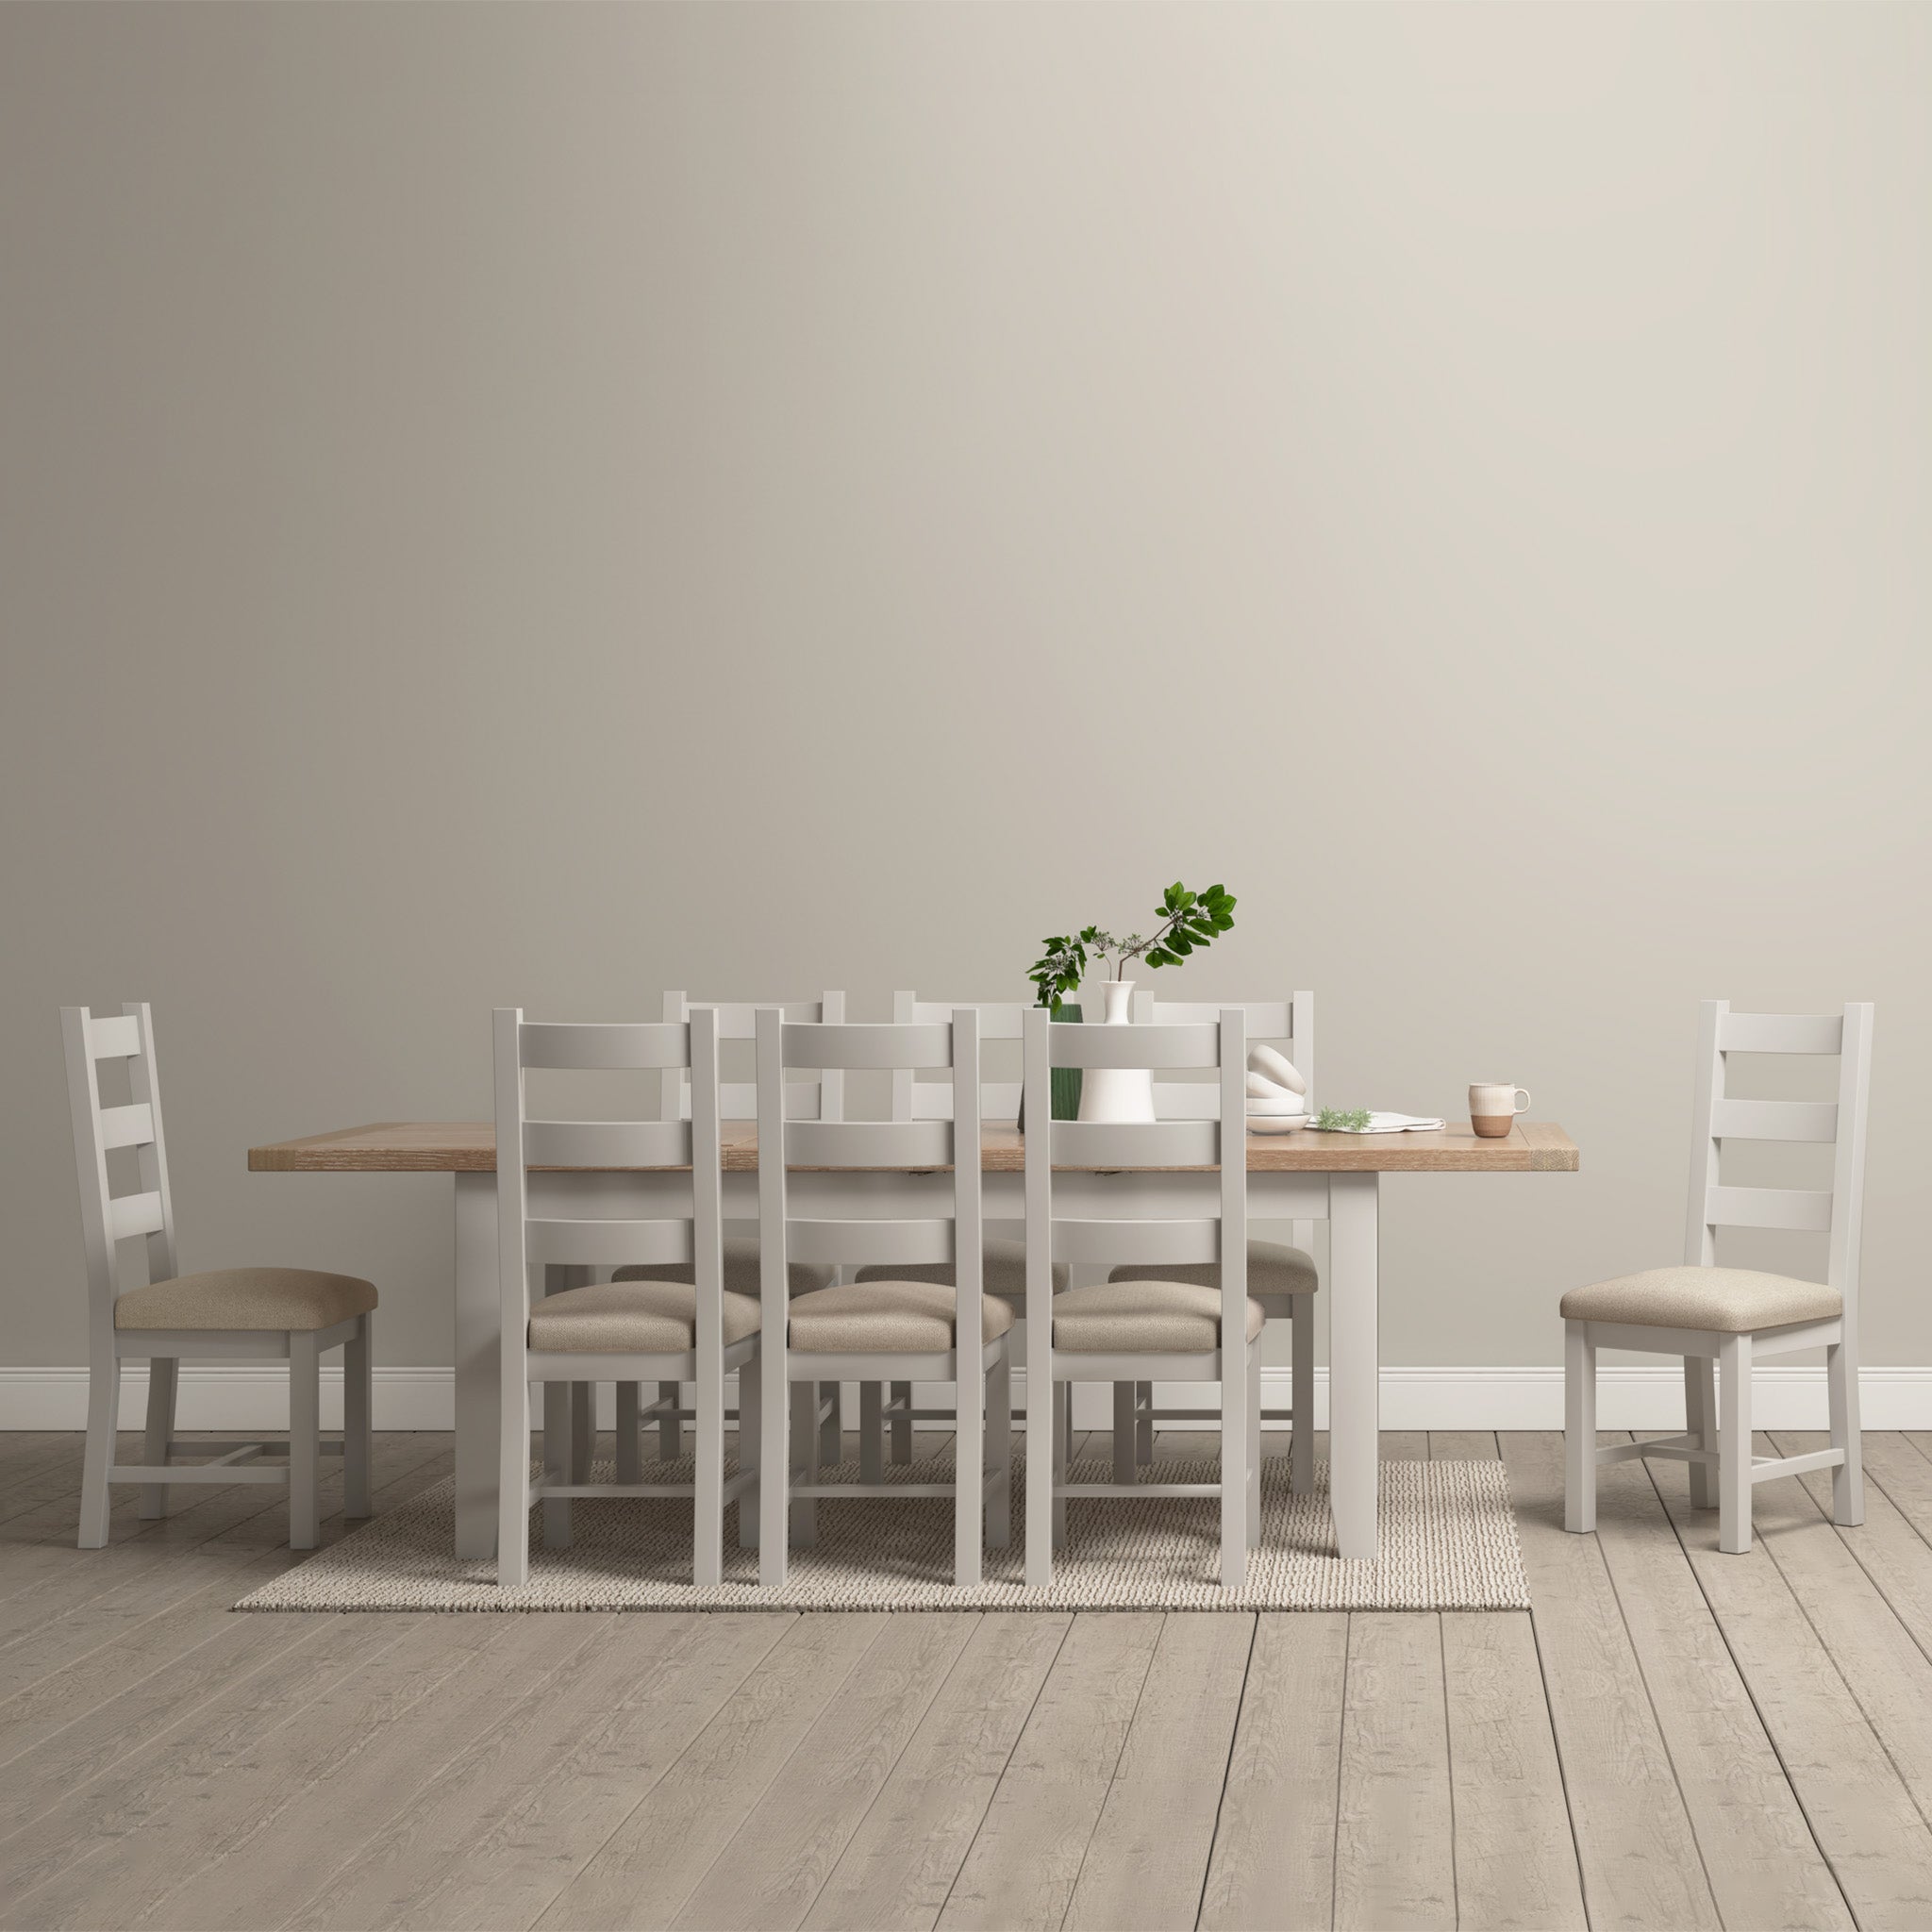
(359, 1439)
(1734, 1448)
(1301, 1442)
(1848, 1478)
(872, 1432)
(1042, 1412)
(1062, 1442)
(707, 1484)
(304, 1441)
(103, 1413)
(968, 1466)
(832, 1430)
(751, 1398)
(902, 1426)
(670, 1430)
(1579, 1428)
(1234, 1478)
(556, 1407)
(999, 1428)
(1700, 1424)
(775, 1445)
(628, 1453)
(1124, 1430)
(805, 1509)
(1254, 1457)
(1143, 1423)
(163, 1378)
(583, 1429)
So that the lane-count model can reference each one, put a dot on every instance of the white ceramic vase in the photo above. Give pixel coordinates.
(1116, 1093)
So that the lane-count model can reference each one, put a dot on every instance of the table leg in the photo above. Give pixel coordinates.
(1354, 1360)
(477, 1330)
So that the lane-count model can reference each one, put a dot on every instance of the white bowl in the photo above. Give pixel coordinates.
(1277, 1124)
(1289, 1104)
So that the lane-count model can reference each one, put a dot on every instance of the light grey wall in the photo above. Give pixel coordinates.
(509, 504)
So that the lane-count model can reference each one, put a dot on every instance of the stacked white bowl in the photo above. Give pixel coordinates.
(1276, 1094)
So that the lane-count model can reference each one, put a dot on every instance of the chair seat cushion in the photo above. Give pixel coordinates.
(740, 1270)
(632, 1318)
(291, 1299)
(1143, 1317)
(1732, 1301)
(1003, 1271)
(1276, 1275)
(898, 1317)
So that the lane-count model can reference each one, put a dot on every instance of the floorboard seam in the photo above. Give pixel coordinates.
(1234, 1731)
(1341, 1762)
(1018, 1732)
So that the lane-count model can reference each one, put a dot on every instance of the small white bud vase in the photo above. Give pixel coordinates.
(1116, 1093)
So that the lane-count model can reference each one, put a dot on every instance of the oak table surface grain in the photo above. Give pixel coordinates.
(470, 1147)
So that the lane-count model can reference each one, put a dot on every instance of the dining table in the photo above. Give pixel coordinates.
(1301, 1177)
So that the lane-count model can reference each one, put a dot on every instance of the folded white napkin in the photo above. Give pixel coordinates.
(1393, 1124)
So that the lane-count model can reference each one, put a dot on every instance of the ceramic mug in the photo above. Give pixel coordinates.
(1492, 1110)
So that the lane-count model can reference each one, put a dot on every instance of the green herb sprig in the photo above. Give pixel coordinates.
(1335, 1120)
(1188, 921)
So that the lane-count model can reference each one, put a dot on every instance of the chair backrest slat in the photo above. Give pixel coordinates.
(822, 1099)
(598, 1048)
(1167, 1242)
(608, 1244)
(1817, 1033)
(1110, 1143)
(109, 1220)
(869, 1143)
(607, 1144)
(1161, 1048)
(1840, 1124)
(872, 1047)
(865, 1242)
(128, 1127)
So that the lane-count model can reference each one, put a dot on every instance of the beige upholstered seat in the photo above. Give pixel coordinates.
(1142, 1317)
(632, 1318)
(1277, 1272)
(740, 1270)
(1730, 1301)
(1003, 1271)
(294, 1299)
(896, 1317)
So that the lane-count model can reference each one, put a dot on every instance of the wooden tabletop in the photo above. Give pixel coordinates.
(470, 1147)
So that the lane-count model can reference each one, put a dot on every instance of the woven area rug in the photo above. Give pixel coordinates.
(1448, 1542)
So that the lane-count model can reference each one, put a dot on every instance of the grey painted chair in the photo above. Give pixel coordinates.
(878, 1331)
(1728, 1317)
(691, 1330)
(1160, 1329)
(1282, 1275)
(139, 1305)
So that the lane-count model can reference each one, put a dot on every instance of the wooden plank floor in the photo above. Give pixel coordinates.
(1672, 1738)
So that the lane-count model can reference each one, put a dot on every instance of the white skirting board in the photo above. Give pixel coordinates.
(249, 1395)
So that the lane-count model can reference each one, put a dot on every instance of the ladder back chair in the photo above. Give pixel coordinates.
(690, 1328)
(1159, 1327)
(1728, 1317)
(1282, 1275)
(1003, 1271)
(822, 1099)
(285, 1315)
(873, 1331)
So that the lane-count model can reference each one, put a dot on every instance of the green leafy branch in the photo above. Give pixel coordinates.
(1335, 1120)
(1188, 921)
